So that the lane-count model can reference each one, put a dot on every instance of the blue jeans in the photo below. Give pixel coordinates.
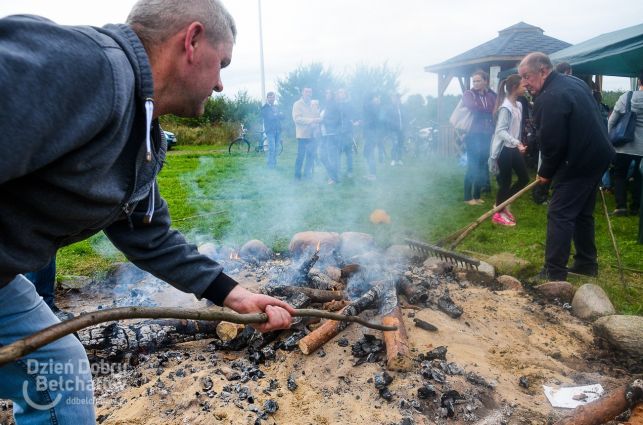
(45, 280)
(330, 156)
(305, 158)
(346, 148)
(273, 145)
(477, 176)
(52, 385)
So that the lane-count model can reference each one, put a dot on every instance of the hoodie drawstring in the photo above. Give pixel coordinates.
(149, 110)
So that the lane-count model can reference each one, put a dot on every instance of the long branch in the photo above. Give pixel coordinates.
(31, 343)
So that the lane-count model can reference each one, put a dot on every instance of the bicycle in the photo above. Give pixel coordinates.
(240, 144)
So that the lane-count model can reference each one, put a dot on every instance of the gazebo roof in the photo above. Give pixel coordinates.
(511, 45)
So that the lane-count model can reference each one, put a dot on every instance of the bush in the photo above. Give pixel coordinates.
(218, 134)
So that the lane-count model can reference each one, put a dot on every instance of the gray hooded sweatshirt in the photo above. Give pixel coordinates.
(79, 153)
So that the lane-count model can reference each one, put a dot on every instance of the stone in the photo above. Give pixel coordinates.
(563, 291)
(624, 333)
(506, 263)
(487, 269)
(591, 302)
(208, 249)
(255, 250)
(509, 283)
(355, 243)
(306, 242)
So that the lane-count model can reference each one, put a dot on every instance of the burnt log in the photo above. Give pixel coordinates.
(414, 293)
(398, 353)
(305, 267)
(116, 342)
(330, 328)
(349, 270)
(608, 407)
(322, 281)
(315, 295)
(227, 331)
(419, 323)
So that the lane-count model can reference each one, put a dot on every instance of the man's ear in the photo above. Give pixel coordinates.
(194, 36)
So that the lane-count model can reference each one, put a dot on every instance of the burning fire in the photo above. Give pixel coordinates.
(318, 245)
(234, 255)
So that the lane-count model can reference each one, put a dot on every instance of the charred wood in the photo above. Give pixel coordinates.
(227, 331)
(414, 293)
(330, 328)
(419, 323)
(315, 295)
(116, 342)
(349, 270)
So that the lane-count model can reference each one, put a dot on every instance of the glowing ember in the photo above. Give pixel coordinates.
(234, 255)
(318, 245)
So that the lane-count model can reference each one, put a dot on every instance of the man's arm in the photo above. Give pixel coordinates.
(165, 253)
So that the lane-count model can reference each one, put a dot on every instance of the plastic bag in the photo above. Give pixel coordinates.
(461, 118)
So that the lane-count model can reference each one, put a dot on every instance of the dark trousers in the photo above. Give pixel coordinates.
(305, 158)
(398, 145)
(571, 217)
(330, 151)
(508, 160)
(622, 164)
(45, 280)
(477, 145)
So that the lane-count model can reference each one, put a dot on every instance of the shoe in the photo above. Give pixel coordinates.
(619, 212)
(591, 270)
(508, 214)
(331, 181)
(479, 201)
(393, 163)
(471, 202)
(499, 218)
(371, 177)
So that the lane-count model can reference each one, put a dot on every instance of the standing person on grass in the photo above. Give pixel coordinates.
(101, 92)
(507, 150)
(575, 152)
(480, 101)
(307, 120)
(272, 117)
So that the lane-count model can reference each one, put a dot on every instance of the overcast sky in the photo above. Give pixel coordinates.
(407, 34)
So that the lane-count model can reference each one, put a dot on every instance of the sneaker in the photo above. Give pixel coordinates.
(393, 163)
(502, 220)
(371, 177)
(471, 202)
(331, 181)
(479, 201)
(508, 214)
(62, 315)
(619, 212)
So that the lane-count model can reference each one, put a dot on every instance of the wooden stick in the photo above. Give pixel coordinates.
(31, 343)
(462, 233)
(606, 408)
(398, 353)
(330, 328)
(611, 232)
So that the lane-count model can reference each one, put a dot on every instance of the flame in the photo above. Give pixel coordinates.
(234, 255)
(318, 245)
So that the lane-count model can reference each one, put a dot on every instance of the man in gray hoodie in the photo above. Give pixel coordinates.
(80, 151)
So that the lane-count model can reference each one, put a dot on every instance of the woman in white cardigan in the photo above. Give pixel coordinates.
(507, 151)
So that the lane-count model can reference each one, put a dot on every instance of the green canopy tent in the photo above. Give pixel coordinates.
(617, 53)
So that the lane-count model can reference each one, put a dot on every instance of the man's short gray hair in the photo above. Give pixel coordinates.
(154, 21)
(537, 61)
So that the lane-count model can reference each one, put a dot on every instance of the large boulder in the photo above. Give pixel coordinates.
(506, 263)
(562, 291)
(591, 302)
(355, 243)
(255, 250)
(625, 333)
(306, 242)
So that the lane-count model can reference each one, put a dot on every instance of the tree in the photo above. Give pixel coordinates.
(366, 80)
(313, 75)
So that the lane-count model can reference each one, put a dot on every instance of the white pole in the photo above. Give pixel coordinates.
(263, 74)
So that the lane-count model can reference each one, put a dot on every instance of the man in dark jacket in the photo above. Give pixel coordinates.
(100, 91)
(272, 127)
(575, 151)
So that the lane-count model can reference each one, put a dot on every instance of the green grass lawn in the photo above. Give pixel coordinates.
(230, 199)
